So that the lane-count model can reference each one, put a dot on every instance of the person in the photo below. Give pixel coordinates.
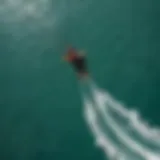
(78, 60)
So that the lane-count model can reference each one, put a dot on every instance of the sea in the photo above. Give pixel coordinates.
(45, 112)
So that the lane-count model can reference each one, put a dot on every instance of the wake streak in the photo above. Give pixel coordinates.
(102, 140)
(100, 105)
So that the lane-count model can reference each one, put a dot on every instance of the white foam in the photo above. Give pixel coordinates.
(102, 140)
(144, 129)
(103, 103)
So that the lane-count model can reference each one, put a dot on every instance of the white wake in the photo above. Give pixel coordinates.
(120, 132)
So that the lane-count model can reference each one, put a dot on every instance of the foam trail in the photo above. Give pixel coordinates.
(101, 140)
(101, 105)
(123, 136)
(142, 127)
(153, 134)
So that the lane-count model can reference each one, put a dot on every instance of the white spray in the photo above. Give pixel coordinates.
(122, 137)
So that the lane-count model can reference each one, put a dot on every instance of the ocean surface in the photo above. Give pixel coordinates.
(41, 106)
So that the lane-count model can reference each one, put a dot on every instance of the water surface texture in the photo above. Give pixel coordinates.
(43, 114)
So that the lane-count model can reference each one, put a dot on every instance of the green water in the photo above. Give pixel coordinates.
(41, 114)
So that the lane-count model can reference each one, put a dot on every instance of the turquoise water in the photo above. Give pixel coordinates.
(41, 109)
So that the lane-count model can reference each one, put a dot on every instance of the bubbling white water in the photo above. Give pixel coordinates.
(98, 109)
